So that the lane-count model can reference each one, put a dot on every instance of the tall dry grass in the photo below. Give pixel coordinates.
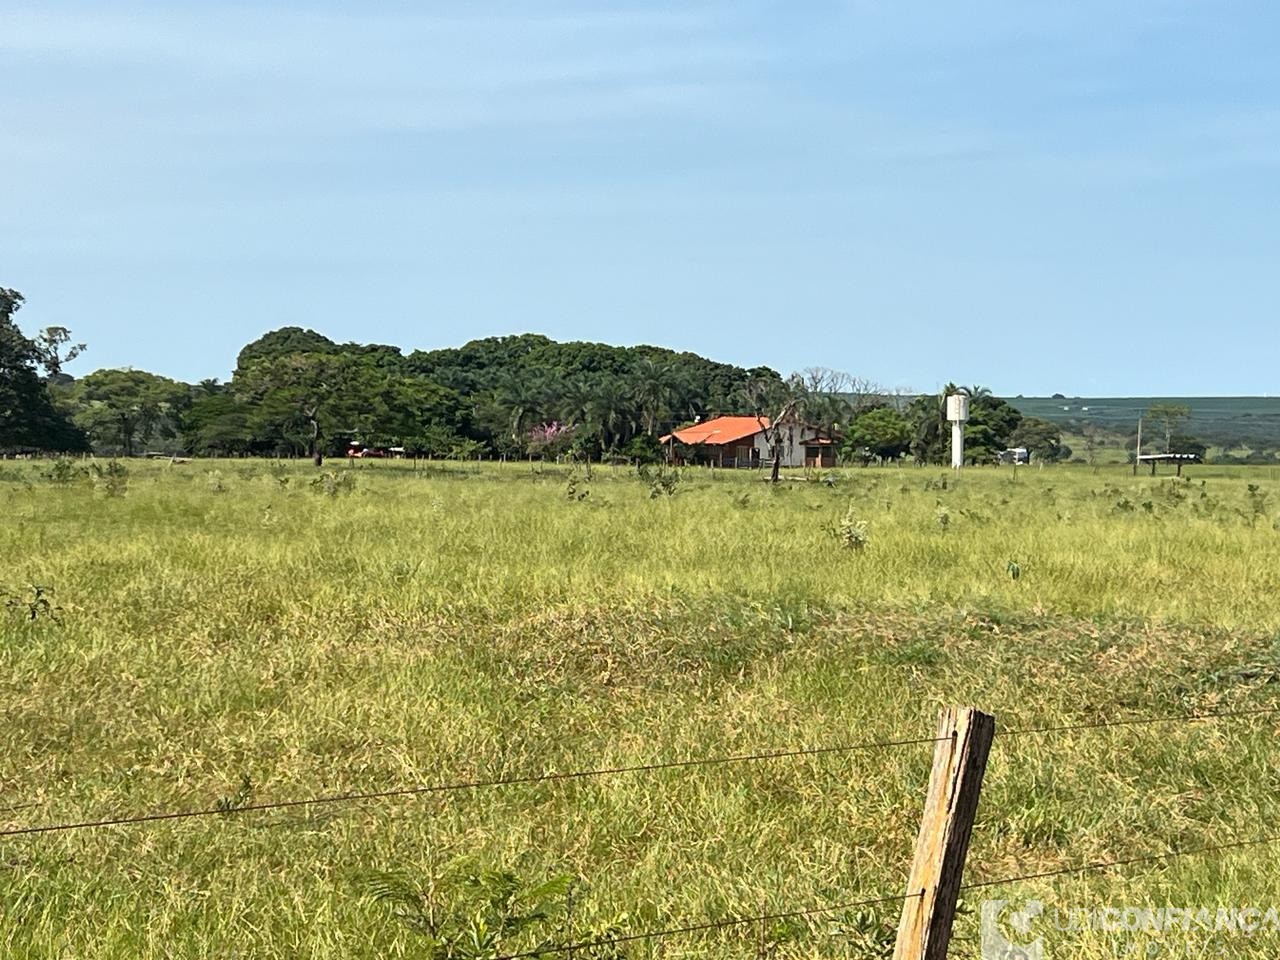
(216, 621)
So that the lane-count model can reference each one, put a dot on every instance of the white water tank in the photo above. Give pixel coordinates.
(957, 408)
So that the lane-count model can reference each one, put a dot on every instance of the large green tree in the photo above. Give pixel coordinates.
(123, 410)
(1042, 438)
(216, 425)
(929, 430)
(294, 401)
(882, 433)
(1169, 417)
(29, 417)
(992, 422)
(315, 403)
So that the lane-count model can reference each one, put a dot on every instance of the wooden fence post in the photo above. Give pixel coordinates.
(959, 761)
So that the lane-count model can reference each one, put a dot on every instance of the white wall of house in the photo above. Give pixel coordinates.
(794, 437)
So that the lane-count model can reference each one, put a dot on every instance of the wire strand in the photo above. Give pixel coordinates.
(1138, 721)
(710, 925)
(1109, 864)
(421, 789)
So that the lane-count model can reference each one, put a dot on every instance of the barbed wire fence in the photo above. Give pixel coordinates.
(961, 747)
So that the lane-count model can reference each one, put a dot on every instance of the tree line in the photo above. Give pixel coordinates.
(295, 392)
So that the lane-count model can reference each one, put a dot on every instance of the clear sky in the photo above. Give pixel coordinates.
(1077, 197)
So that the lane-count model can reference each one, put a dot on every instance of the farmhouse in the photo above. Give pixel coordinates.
(745, 442)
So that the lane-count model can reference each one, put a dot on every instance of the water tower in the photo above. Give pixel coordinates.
(957, 413)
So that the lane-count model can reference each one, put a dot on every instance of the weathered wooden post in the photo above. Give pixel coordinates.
(959, 762)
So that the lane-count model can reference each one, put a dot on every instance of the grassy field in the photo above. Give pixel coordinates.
(248, 632)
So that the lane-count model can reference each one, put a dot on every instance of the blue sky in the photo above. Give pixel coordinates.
(1039, 197)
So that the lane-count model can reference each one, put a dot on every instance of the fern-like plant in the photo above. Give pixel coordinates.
(482, 915)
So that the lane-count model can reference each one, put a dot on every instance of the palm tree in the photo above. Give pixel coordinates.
(654, 390)
(575, 400)
(522, 399)
(613, 413)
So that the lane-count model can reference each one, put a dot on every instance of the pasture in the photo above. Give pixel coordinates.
(237, 632)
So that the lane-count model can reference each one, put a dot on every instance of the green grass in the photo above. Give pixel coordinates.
(227, 619)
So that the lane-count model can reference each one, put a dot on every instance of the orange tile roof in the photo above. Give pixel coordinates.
(721, 430)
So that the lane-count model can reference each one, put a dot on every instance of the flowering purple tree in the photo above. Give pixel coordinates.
(550, 439)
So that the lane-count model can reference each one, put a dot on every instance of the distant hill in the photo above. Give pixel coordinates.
(1228, 422)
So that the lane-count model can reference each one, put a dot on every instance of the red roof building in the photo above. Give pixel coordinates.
(720, 431)
(743, 442)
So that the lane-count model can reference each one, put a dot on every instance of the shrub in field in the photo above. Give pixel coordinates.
(851, 531)
(1206, 505)
(578, 487)
(943, 516)
(642, 448)
(1174, 491)
(30, 604)
(466, 450)
(334, 483)
(62, 471)
(868, 933)
(483, 915)
(1257, 503)
(112, 480)
(242, 796)
(662, 482)
(403, 572)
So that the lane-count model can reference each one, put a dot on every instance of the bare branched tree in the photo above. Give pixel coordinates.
(820, 380)
(865, 395)
(774, 405)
